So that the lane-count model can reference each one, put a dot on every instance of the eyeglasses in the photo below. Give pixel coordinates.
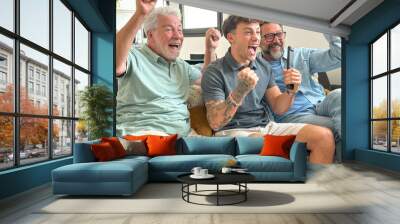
(271, 36)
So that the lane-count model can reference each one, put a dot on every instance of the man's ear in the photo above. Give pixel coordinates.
(230, 37)
(149, 34)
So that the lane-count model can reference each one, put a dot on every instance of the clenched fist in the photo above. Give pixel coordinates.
(247, 80)
(292, 76)
(212, 38)
(144, 7)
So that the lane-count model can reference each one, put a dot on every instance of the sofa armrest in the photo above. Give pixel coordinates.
(298, 155)
(83, 152)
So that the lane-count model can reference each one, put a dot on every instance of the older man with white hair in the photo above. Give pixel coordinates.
(153, 82)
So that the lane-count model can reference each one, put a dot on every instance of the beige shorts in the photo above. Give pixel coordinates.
(271, 128)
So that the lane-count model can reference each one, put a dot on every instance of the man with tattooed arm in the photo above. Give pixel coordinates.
(239, 90)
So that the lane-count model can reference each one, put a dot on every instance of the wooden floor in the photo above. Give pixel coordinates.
(379, 189)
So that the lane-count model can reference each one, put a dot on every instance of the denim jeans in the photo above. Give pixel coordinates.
(327, 114)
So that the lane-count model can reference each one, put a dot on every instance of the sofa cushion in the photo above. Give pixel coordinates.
(134, 147)
(83, 152)
(118, 177)
(206, 145)
(185, 163)
(116, 145)
(248, 145)
(161, 145)
(135, 137)
(257, 163)
(277, 145)
(112, 171)
(103, 152)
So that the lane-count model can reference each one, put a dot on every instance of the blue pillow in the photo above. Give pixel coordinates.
(249, 145)
(206, 145)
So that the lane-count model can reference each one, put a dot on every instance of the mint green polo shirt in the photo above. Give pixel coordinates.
(152, 94)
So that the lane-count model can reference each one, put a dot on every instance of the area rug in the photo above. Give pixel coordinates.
(167, 198)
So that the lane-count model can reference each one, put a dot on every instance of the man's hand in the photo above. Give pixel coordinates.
(292, 76)
(144, 7)
(247, 80)
(212, 39)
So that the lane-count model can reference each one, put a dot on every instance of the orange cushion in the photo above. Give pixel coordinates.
(275, 145)
(116, 145)
(103, 151)
(135, 138)
(161, 145)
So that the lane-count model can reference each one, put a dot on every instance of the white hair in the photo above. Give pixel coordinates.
(151, 20)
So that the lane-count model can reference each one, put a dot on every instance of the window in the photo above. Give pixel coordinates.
(62, 74)
(3, 78)
(46, 131)
(30, 73)
(35, 22)
(7, 14)
(81, 45)
(62, 29)
(3, 72)
(7, 84)
(38, 89)
(37, 75)
(193, 26)
(44, 91)
(30, 87)
(385, 96)
(3, 61)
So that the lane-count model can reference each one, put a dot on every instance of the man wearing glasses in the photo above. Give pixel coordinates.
(310, 106)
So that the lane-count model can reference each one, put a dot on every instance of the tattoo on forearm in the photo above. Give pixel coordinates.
(219, 113)
(240, 91)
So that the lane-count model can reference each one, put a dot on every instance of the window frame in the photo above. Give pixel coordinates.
(388, 74)
(16, 115)
(199, 32)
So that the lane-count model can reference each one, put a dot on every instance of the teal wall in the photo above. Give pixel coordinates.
(99, 16)
(356, 85)
(24, 178)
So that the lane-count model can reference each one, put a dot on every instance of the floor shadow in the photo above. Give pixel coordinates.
(255, 198)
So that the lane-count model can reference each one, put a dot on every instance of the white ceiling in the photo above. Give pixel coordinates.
(315, 15)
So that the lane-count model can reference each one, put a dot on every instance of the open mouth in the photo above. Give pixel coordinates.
(275, 46)
(174, 46)
(252, 50)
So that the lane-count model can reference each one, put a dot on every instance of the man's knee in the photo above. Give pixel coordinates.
(314, 134)
(326, 135)
(335, 95)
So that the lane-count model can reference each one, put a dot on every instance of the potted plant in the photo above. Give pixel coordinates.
(96, 102)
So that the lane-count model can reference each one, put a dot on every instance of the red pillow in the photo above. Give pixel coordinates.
(161, 145)
(103, 152)
(116, 145)
(277, 145)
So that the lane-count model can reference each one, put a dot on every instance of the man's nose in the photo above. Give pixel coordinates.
(177, 34)
(256, 36)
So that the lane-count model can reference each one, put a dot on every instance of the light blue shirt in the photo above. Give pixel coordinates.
(301, 104)
(152, 94)
(309, 62)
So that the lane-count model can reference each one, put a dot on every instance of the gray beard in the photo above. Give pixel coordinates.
(276, 55)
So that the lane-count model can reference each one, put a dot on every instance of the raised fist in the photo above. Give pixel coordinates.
(247, 80)
(144, 7)
(212, 38)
